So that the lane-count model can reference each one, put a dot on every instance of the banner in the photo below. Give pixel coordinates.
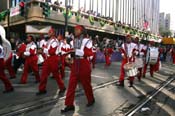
(100, 58)
(14, 11)
(37, 29)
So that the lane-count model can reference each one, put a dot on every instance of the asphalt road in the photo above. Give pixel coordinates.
(110, 99)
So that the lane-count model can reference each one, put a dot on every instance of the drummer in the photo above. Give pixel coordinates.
(152, 66)
(140, 54)
(128, 52)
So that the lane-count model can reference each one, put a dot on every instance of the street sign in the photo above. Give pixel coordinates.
(14, 11)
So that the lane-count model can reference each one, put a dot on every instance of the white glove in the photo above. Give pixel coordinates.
(27, 53)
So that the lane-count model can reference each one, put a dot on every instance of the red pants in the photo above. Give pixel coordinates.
(51, 65)
(122, 72)
(8, 65)
(152, 69)
(3, 77)
(30, 63)
(80, 71)
(63, 66)
(140, 73)
(173, 58)
(107, 59)
(156, 68)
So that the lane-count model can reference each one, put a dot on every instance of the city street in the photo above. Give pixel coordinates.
(110, 99)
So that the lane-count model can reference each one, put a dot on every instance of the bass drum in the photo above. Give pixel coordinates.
(152, 55)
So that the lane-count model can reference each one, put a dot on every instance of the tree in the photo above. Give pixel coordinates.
(165, 33)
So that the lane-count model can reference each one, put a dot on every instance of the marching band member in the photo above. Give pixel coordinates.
(41, 45)
(140, 54)
(172, 51)
(94, 50)
(80, 70)
(3, 78)
(152, 67)
(128, 51)
(108, 52)
(65, 48)
(19, 59)
(51, 64)
(157, 65)
(31, 60)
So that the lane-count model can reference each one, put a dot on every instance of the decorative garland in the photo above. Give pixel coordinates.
(78, 17)
(69, 15)
(102, 22)
(4, 14)
(91, 20)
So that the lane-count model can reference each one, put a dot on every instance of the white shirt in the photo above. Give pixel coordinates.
(1, 52)
(85, 43)
(129, 48)
(29, 46)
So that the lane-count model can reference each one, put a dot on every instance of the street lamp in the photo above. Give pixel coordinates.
(66, 17)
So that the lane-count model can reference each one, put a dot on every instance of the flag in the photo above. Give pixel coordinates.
(145, 24)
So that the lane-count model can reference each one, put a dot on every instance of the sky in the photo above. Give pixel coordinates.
(168, 6)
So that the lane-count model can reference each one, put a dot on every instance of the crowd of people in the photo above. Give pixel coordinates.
(79, 54)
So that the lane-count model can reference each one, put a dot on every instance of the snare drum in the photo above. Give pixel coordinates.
(152, 55)
(130, 69)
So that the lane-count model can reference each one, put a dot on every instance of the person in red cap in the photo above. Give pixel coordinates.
(80, 70)
(3, 78)
(51, 65)
(152, 66)
(108, 52)
(31, 60)
(128, 52)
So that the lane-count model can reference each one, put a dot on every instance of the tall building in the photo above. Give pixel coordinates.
(164, 21)
(167, 22)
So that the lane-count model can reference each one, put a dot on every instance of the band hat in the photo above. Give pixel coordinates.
(79, 27)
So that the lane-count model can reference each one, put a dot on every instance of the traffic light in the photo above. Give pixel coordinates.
(46, 9)
(22, 8)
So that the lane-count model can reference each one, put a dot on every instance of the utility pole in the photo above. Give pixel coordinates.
(8, 20)
(66, 18)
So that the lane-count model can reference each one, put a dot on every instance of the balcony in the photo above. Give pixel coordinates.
(34, 13)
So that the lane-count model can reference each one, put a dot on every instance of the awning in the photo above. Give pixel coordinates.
(168, 40)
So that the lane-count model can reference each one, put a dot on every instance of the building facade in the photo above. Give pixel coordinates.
(164, 21)
(167, 22)
(133, 12)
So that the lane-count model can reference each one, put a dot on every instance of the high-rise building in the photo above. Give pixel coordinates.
(164, 21)
(167, 22)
